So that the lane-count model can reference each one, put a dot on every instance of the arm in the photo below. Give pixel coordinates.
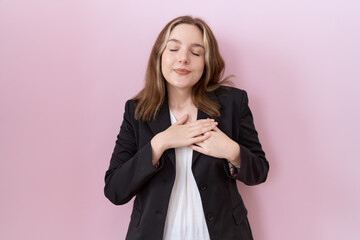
(254, 166)
(130, 167)
(244, 153)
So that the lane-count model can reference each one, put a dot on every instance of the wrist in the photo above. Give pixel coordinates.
(157, 144)
(234, 154)
(156, 151)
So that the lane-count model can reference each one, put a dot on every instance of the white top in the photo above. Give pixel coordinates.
(185, 217)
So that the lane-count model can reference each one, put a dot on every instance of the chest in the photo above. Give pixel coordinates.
(191, 111)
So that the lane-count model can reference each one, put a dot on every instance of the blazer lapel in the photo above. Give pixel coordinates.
(161, 123)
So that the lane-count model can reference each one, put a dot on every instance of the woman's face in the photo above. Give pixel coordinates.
(183, 60)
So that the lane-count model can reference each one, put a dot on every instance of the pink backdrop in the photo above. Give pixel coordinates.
(67, 67)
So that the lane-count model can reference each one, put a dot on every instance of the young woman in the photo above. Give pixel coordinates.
(184, 141)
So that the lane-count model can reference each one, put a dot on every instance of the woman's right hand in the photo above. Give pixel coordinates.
(181, 134)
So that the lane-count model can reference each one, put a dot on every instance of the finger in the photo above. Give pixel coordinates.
(196, 148)
(200, 139)
(205, 125)
(201, 121)
(204, 130)
(182, 120)
(199, 125)
(215, 125)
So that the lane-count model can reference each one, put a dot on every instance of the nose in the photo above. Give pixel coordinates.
(183, 57)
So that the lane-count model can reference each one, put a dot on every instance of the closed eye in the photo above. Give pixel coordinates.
(173, 50)
(196, 54)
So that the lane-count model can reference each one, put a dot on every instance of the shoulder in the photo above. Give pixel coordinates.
(130, 103)
(130, 107)
(226, 94)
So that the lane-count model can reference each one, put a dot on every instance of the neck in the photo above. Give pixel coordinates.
(179, 98)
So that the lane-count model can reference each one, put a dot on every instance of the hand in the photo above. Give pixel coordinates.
(219, 145)
(181, 134)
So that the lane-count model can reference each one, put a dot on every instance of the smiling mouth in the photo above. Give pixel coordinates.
(181, 71)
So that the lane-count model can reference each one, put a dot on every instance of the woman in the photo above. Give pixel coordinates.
(184, 140)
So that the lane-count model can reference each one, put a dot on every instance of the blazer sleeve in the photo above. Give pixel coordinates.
(254, 167)
(130, 167)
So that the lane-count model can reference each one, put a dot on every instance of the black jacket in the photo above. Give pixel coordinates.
(131, 172)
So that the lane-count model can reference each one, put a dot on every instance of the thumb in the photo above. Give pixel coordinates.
(182, 120)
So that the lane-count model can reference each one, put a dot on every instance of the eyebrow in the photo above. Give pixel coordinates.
(194, 44)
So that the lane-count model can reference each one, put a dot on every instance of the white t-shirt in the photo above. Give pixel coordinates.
(185, 217)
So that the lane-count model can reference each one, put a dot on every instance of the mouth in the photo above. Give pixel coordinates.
(181, 71)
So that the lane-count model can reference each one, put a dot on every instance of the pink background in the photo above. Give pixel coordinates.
(67, 67)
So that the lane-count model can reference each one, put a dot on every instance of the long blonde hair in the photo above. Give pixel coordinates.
(151, 97)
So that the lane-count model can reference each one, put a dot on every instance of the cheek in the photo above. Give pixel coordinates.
(201, 67)
(165, 60)
(163, 64)
(162, 60)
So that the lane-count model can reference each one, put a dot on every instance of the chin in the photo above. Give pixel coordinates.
(181, 83)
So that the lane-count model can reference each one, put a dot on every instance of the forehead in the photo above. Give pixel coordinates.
(187, 33)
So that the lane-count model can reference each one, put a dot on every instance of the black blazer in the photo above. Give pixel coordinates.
(131, 172)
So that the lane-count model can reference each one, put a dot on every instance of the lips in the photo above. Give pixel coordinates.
(182, 71)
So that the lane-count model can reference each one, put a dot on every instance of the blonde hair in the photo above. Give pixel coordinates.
(151, 97)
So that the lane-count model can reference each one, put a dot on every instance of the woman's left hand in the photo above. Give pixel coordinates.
(219, 145)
